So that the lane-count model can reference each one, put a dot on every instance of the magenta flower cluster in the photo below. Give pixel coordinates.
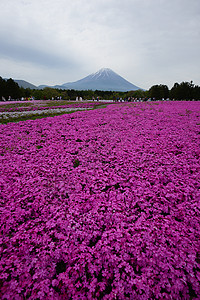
(102, 204)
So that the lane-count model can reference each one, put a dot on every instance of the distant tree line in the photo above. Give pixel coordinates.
(182, 91)
(9, 89)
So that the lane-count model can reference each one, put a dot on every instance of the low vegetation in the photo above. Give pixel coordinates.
(102, 204)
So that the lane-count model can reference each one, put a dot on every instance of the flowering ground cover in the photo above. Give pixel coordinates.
(15, 112)
(102, 204)
(16, 116)
(43, 105)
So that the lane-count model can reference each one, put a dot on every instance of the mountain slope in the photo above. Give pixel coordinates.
(105, 79)
(25, 84)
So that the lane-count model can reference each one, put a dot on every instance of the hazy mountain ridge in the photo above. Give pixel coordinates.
(25, 84)
(105, 79)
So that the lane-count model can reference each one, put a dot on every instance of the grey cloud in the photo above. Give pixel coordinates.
(26, 53)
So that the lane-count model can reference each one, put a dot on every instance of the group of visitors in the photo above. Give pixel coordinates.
(79, 98)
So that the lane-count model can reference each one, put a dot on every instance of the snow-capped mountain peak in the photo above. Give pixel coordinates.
(104, 72)
(105, 79)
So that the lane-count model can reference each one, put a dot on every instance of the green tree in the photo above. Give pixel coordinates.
(2, 88)
(196, 92)
(182, 91)
(50, 93)
(12, 89)
(159, 92)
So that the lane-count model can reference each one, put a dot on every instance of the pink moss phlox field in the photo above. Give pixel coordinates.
(102, 204)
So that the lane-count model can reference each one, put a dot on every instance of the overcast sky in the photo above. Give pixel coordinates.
(56, 41)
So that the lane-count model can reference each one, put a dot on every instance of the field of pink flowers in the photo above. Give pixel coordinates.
(102, 204)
